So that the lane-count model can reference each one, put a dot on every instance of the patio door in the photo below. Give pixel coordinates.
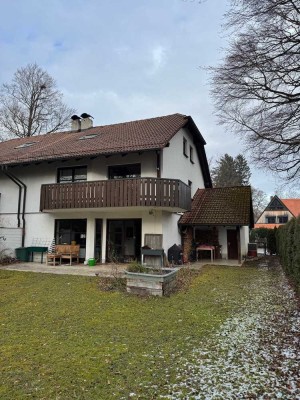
(123, 239)
(232, 244)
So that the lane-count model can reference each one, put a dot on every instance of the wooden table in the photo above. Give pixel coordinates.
(204, 247)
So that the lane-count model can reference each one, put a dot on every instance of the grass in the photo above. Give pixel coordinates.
(63, 338)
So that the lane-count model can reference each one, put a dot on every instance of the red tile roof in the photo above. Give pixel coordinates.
(268, 226)
(220, 206)
(147, 134)
(293, 205)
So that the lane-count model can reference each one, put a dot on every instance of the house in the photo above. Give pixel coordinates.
(103, 187)
(219, 217)
(278, 212)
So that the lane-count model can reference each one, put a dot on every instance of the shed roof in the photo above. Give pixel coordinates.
(220, 206)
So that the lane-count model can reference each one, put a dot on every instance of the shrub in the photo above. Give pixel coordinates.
(136, 267)
(288, 245)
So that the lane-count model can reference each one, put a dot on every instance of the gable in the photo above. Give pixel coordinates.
(276, 204)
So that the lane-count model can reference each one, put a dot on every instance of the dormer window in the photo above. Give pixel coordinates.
(24, 145)
(91, 136)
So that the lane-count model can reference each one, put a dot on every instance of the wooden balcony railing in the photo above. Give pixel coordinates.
(135, 192)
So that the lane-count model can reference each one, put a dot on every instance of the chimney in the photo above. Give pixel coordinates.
(87, 121)
(75, 123)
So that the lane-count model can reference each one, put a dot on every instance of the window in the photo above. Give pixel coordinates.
(124, 171)
(282, 219)
(271, 220)
(191, 155)
(72, 174)
(190, 183)
(185, 147)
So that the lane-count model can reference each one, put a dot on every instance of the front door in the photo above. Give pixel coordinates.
(232, 244)
(124, 239)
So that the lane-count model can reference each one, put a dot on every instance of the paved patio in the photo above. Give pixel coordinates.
(108, 270)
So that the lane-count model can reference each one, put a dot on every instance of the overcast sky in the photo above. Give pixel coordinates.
(124, 60)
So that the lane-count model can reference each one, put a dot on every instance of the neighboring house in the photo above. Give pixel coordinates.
(103, 187)
(278, 212)
(220, 217)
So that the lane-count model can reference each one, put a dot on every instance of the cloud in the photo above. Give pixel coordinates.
(158, 59)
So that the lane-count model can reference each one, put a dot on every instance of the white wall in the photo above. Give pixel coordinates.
(244, 235)
(41, 225)
(276, 213)
(99, 166)
(13, 239)
(171, 233)
(176, 165)
(244, 240)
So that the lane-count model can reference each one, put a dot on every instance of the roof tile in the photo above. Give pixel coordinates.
(220, 206)
(147, 134)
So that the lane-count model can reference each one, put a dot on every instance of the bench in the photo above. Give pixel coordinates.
(64, 251)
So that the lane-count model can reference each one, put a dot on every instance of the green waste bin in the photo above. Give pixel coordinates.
(91, 262)
(22, 253)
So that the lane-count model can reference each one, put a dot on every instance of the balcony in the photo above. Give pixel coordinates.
(169, 194)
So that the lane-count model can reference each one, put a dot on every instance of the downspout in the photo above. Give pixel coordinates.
(158, 166)
(21, 184)
(20, 194)
(24, 206)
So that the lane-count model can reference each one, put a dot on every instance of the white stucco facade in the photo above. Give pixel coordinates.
(175, 163)
(41, 225)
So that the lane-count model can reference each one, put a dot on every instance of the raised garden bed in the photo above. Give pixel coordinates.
(149, 281)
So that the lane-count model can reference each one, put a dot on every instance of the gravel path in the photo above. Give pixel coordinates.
(255, 354)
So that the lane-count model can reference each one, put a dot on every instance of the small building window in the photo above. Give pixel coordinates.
(191, 155)
(271, 220)
(190, 183)
(282, 219)
(72, 174)
(185, 147)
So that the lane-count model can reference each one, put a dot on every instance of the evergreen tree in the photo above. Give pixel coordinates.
(231, 171)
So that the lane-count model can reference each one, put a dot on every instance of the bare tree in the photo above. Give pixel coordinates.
(260, 201)
(257, 86)
(31, 104)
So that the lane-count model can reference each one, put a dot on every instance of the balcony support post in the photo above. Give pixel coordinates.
(90, 238)
(104, 239)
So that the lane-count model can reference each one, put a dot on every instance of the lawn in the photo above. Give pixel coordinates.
(63, 338)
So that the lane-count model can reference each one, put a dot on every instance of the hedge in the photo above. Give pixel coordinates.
(288, 248)
(265, 233)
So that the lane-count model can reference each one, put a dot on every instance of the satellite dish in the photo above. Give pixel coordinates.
(85, 115)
